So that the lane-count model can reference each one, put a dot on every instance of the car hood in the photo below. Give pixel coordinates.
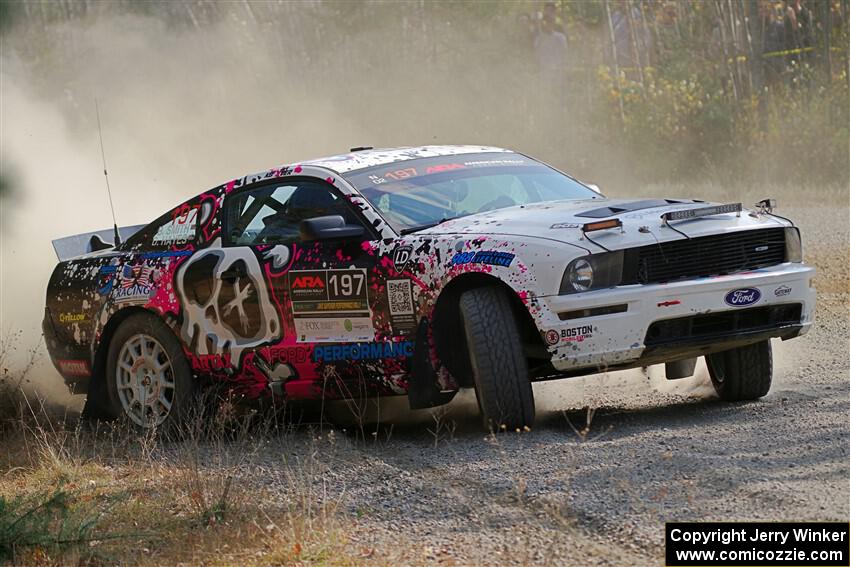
(641, 219)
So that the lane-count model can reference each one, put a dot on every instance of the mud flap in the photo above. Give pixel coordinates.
(680, 368)
(423, 389)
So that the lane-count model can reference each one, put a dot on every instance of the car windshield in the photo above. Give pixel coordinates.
(419, 193)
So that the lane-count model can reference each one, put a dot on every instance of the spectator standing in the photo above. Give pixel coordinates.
(632, 41)
(550, 51)
(526, 31)
(798, 29)
(550, 12)
(774, 41)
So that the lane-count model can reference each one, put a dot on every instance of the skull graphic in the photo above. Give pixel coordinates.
(226, 306)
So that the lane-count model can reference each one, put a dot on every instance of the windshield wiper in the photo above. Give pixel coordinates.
(426, 225)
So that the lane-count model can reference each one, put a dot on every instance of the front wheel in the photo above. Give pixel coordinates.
(148, 378)
(499, 368)
(742, 373)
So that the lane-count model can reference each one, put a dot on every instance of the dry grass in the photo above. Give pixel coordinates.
(79, 493)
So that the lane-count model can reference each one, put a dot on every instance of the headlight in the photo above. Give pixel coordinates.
(580, 274)
(793, 245)
(593, 272)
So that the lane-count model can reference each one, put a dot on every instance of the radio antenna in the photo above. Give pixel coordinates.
(106, 175)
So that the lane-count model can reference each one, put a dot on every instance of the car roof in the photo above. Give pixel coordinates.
(361, 159)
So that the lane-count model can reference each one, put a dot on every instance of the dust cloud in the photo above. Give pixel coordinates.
(185, 107)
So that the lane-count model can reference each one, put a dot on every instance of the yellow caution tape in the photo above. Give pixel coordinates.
(787, 52)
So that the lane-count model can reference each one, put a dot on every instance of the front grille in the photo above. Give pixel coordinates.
(701, 256)
(724, 323)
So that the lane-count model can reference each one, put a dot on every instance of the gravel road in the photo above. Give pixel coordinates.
(432, 488)
(436, 489)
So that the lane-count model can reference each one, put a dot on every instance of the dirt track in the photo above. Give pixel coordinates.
(429, 490)
(656, 451)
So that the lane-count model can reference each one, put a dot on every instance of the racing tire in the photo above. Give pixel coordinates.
(148, 378)
(742, 373)
(499, 368)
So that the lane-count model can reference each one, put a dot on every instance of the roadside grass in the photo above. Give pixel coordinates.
(74, 493)
(80, 493)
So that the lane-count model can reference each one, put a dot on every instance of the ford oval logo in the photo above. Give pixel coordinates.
(742, 297)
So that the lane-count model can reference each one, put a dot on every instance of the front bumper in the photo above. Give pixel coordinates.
(649, 324)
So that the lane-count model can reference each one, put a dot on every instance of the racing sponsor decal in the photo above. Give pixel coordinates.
(743, 297)
(669, 303)
(181, 229)
(285, 354)
(492, 162)
(782, 291)
(135, 283)
(400, 301)
(552, 337)
(363, 351)
(329, 291)
(401, 256)
(439, 168)
(166, 254)
(210, 362)
(74, 367)
(106, 279)
(332, 329)
(72, 317)
(577, 334)
(490, 257)
(308, 285)
(331, 305)
(565, 225)
(409, 172)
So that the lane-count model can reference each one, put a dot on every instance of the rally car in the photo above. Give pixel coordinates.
(418, 272)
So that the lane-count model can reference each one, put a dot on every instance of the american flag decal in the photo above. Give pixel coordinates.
(136, 276)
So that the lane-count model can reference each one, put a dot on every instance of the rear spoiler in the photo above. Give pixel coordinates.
(79, 244)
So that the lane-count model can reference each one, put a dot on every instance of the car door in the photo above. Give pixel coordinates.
(319, 299)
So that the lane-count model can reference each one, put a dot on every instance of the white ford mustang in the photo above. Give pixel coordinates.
(420, 271)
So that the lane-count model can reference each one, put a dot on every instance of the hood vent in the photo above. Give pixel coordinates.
(628, 207)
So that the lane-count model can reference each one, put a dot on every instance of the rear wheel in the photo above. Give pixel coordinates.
(742, 373)
(496, 356)
(148, 378)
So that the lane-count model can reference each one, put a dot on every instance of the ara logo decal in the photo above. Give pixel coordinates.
(743, 297)
(401, 256)
(308, 282)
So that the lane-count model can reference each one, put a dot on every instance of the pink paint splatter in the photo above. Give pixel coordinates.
(165, 299)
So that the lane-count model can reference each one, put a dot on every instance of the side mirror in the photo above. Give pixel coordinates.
(327, 228)
(595, 187)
